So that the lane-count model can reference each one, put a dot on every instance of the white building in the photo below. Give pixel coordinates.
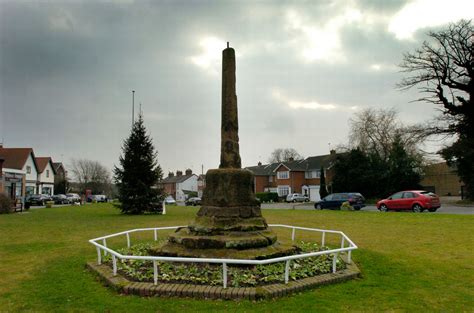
(46, 172)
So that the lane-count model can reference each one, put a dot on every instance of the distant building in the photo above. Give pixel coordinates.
(46, 173)
(60, 178)
(180, 186)
(19, 171)
(294, 176)
(442, 179)
(201, 183)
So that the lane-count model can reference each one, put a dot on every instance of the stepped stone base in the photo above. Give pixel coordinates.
(178, 250)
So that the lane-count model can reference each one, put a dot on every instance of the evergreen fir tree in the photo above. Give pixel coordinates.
(323, 192)
(138, 173)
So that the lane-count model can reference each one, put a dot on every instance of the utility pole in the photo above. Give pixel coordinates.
(133, 107)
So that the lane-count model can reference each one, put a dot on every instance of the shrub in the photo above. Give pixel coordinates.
(267, 196)
(6, 204)
(346, 206)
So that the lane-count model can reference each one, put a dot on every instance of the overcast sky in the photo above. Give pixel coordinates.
(304, 68)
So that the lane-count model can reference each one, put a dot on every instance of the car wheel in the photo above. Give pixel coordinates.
(318, 207)
(383, 208)
(417, 208)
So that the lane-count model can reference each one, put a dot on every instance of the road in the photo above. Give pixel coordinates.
(445, 209)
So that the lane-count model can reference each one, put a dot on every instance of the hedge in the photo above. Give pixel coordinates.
(267, 196)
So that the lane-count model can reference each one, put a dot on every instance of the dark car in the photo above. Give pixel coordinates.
(193, 201)
(335, 200)
(60, 199)
(415, 200)
(37, 199)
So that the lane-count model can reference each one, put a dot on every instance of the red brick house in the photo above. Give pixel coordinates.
(180, 186)
(294, 176)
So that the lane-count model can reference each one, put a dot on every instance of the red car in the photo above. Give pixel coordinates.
(415, 200)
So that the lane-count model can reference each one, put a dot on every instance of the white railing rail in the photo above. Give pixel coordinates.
(346, 246)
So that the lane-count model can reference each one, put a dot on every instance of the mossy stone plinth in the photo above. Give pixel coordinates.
(226, 240)
(229, 187)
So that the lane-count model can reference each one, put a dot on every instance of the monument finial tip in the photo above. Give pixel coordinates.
(227, 44)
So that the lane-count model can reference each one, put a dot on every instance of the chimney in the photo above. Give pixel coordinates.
(259, 163)
(291, 159)
(332, 152)
(170, 174)
(189, 172)
(179, 173)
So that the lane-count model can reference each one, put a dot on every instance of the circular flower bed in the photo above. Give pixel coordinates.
(211, 274)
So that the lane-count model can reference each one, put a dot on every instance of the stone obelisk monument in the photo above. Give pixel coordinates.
(230, 223)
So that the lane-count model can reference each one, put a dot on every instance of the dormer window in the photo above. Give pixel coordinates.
(47, 173)
(283, 175)
(28, 169)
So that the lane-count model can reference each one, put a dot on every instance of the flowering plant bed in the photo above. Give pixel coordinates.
(211, 274)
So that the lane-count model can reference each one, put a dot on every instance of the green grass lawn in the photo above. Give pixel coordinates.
(409, 262)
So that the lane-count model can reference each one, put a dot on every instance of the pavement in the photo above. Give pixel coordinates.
(444, 209)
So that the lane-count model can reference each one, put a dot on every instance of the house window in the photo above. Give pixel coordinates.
(283, 191)
(270, 179)
(312, 174)
(28, 169)
(47, 173)
(283, 175)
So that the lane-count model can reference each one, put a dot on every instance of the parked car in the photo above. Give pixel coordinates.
(415, 200)
(37, 199)
(97, 198)
(335, 200)
(60, 199)
(73, 197)
(193, 201)
(296, 197)
(170, 200)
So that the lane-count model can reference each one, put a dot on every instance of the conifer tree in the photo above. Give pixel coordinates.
(323, 192)
(138, 173)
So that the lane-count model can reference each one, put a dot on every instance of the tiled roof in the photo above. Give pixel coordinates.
(57, 165)
(15, 158)
(175, 179)
(310, 163)
(42, 162)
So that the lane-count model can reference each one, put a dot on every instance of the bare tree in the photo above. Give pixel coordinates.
(91, 175)
(443, 71)
(375, 131)
(284, 155)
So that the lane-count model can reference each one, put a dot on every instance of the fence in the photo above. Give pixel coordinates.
(346, 246)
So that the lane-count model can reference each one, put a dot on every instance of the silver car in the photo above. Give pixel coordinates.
(296, 197)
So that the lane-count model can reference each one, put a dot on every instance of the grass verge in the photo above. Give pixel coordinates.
(409, 262)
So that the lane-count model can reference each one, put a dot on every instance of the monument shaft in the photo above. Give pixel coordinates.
(230, 155)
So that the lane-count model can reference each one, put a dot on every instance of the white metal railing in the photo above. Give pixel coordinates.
(334, 252)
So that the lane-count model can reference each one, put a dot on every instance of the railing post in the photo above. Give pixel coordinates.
(342, 242)
(114, 262)
(224, 274)
(105, 245)
(128, 240)
(156, 234)
(155, 272)
(293, 234)
(323, 239)
(334, 259)
(349, 257)
(99, 256)
(287, 271)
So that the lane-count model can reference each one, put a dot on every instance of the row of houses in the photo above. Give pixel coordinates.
(22, 173)
(295, 176)
(304, 177)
